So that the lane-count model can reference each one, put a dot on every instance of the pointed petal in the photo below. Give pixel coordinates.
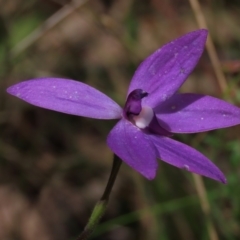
(130, 144)
(183, 156)
(163, 72)
(67, 96)
(190, 113)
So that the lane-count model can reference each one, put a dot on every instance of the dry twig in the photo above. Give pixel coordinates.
(47, 25)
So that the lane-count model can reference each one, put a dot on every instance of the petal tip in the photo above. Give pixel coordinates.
(204, 32)
(223, 180)
(200, 34)
(10, 90)
(149, 174)
(15, 89)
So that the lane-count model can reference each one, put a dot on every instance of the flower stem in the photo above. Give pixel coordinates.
(101, 205)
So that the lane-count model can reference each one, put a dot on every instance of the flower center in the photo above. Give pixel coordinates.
(133, 111)
(133, 104)
(144, 118)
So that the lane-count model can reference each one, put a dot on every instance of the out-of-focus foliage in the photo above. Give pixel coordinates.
(53, 167)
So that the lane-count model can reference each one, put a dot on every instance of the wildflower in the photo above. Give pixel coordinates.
(153, 110)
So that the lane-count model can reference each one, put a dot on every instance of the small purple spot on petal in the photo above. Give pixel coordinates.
(164, 97)
(182, 70)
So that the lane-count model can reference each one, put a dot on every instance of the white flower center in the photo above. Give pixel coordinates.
(144, 118)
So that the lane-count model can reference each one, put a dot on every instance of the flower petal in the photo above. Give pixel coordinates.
(183, 156)
(67, 96)
(163, 72)
(133, 146)
(190, 113)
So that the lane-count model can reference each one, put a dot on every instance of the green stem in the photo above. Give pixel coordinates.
(101, 205)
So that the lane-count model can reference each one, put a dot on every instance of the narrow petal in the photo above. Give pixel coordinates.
(163, 72)
(190, 113)
(67, 96)
(133, 146)
(185, 157)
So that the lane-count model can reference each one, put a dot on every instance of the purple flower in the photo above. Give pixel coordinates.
(153, 110)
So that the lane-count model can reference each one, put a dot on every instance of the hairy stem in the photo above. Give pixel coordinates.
(101, 205)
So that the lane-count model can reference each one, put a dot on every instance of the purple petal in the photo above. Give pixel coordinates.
(190, 113)
(185, 157)
(133, 146)
(67, 96)
(163, 72)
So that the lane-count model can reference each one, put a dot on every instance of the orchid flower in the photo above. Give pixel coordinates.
(153, 110)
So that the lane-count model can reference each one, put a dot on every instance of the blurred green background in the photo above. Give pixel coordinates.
(53, 167)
